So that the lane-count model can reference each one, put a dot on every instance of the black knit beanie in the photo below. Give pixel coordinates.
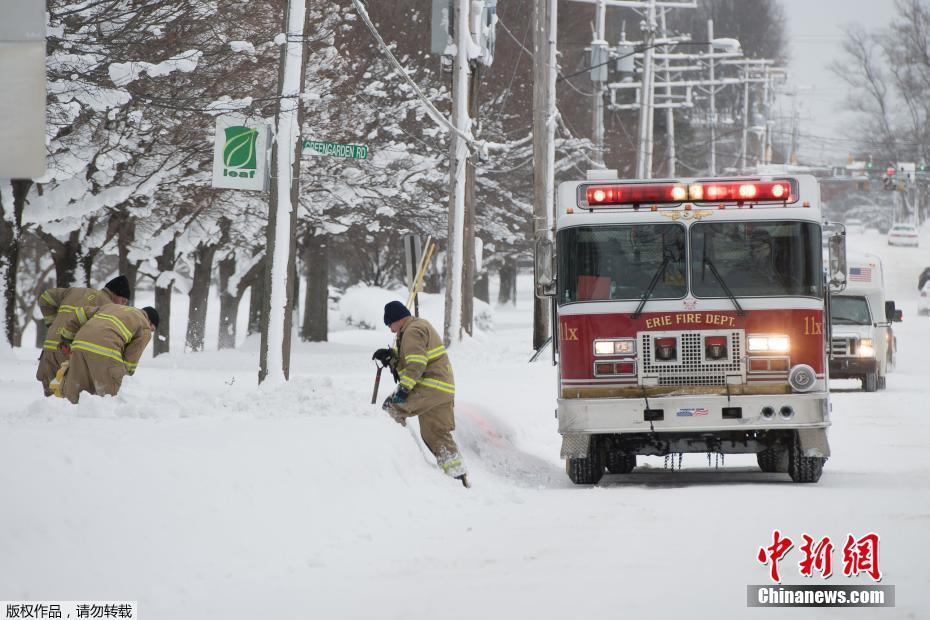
(119, 286)
(395, 311)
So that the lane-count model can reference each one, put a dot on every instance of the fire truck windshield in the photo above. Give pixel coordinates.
(619, 262)
(756, 259)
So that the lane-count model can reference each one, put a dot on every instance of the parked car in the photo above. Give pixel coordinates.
(923, 279)
(923, 301)
(903, 234)
(855, 226)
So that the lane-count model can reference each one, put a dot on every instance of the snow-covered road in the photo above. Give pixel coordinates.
(201, 496)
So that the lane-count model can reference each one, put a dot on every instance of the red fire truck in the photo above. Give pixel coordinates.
(689, 317)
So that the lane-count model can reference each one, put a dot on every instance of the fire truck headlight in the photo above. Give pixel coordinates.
(623, 346)
(866, 348)
(769, 344)
(802, 378)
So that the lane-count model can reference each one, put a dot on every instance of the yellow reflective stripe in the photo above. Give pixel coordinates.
(436, 353)
(51, 345)
(120, 326)
(47, 297)
(82, 316)
(416, 359)
(90, 347)
(406, 381)
(436, 384)
(66, 308)
(64, 333)
(450, 464)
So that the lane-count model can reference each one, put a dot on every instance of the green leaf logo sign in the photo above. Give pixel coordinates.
(239, 152)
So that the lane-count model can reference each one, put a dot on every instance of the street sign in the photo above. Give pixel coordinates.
(240, 153)
(350, 151)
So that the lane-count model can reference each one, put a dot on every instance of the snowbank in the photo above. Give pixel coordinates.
(362, 307)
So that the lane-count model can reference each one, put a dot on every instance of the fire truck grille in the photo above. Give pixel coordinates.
(691, 368)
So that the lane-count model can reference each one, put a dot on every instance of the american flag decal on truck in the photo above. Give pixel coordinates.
(860, 274)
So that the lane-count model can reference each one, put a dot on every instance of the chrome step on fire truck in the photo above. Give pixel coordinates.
(688, 316)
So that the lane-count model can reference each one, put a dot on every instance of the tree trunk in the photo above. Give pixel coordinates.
(255, 304)
(162, 338)
(65, 256)
(508, 282)
(41, 331)
(126, 237)
(199, 295)
(11, 229)
(483, 287)
(229, 304)
(316, 297)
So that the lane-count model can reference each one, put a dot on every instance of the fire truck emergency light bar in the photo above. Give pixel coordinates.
(755, 191)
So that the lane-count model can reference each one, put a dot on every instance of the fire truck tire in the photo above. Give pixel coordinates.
(803, 468)
(773, 460)
(882, 383)
(587, 470)
(870, 382)
(620, 462)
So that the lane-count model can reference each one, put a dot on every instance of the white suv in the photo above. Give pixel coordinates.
(903, 234)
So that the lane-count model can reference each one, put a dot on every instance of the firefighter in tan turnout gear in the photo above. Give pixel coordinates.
(58, 306)
(105, 349)
(426, 388)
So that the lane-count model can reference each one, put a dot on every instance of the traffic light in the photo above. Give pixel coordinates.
(888, 180)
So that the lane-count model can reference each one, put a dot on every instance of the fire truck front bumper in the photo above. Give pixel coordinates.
(693, 414)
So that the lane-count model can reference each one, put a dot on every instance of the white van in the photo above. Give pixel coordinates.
(862, 343)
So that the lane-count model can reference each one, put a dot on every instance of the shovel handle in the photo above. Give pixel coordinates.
(374, 394)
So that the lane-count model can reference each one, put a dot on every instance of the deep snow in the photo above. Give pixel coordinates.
(202, 496)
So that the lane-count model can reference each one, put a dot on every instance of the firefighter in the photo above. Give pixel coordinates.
(426, 388)
(105, 349)
(58, 305)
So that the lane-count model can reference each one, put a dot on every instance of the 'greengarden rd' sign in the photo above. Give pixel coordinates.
(353, 151)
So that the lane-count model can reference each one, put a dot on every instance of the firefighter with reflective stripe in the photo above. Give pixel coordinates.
(59, 306)
(106, 348)
(426, 388)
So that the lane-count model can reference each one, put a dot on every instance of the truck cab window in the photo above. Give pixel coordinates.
(756, 259)
(845, 310)
(618, 262)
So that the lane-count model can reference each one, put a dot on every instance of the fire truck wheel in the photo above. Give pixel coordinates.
(773, 460)
(620, 462)
(870, 382)
(882, 383)
(587, 470)
(803, 468)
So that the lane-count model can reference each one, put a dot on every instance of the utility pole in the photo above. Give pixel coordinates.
(468, 257)
(743, 140)
(281, 235)
(644, 151)
(544, 117)
(669, 111)
(458, 161)
(599, 56)
(713, 100)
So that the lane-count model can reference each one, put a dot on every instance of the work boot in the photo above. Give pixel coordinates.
(464, 480)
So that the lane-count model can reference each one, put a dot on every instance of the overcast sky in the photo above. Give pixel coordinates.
(815, 29)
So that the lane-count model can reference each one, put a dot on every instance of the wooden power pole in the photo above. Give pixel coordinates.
(544, 70)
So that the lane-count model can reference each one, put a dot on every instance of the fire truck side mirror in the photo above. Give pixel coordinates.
(838, 260)
(545, 279)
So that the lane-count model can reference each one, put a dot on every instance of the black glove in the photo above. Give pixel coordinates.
(385, 356)
(400, 396)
